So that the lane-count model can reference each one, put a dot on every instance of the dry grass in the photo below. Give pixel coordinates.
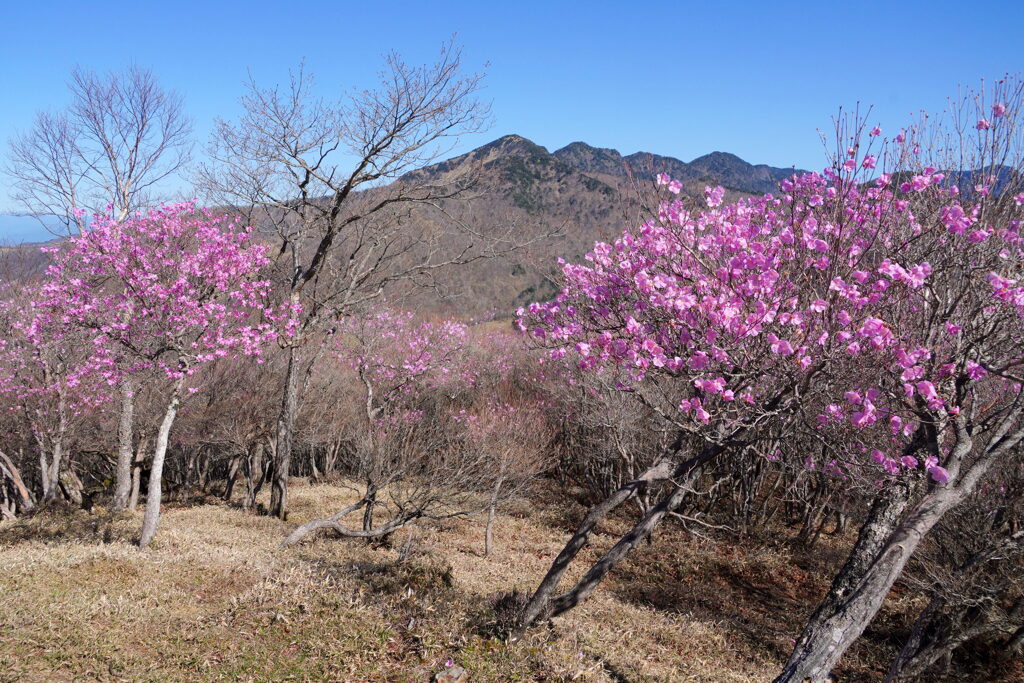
(214, 599)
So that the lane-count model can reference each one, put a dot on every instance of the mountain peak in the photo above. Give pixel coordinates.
(514, 144)
(589, 159)
(719, 158)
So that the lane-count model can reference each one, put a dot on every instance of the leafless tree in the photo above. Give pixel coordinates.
(119, 139)
(315, 172)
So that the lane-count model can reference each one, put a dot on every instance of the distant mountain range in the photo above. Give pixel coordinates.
(581, 192)
(717, 168)
(585, 193)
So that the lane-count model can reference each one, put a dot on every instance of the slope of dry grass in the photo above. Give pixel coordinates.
(213, 598)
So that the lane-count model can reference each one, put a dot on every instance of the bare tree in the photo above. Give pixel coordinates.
(113, 146)
(316, 171)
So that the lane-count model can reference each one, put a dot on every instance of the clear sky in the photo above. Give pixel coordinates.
(679, 78)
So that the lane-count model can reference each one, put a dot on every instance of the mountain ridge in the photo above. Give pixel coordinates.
(561, 202)
(717, 168)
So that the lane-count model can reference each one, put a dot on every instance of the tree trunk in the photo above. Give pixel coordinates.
(71, 486)
(50, 473)
(332, 522)
(582, 590)
(539, 603)
(488, 530)
(913, 645)
(254, 475)
(858, 592)
(153, 493)
(285, 426)
(49, 468)
(24, 501)
(123, 473)
(371, 501)
(140, 457)
(824, 640)
(853, 601)
(233, 467)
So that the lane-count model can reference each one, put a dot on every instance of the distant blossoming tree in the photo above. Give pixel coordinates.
(47, 379)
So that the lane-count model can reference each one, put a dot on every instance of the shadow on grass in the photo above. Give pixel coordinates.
(761, 595)
(60, 523)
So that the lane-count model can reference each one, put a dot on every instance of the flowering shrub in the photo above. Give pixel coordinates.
(880, 304)
(169, 289)
(873, 310)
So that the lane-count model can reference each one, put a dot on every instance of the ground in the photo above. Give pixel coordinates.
(214, 598)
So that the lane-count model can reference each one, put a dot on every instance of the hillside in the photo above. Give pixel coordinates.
(583, 193)
(214, 599)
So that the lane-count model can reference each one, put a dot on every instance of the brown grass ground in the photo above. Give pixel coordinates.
(213, 599)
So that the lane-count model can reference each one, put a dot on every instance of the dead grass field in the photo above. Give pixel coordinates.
(213, 598)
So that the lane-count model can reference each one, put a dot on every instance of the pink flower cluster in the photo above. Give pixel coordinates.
(171, 289)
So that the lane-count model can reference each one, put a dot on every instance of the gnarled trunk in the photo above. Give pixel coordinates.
(540, 604)
(285, 427)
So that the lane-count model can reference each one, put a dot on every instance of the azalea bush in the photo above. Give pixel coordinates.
(168, 290)
(879, 310)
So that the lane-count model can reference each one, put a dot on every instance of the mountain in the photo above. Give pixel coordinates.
(580, 192)
(717, 168)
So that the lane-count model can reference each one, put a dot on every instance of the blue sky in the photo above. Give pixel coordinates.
(683, 78)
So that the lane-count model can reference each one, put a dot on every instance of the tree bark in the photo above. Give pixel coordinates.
(11, 473)
(371, 501)
(123, 472)
(153, 493)
(285, 427)
(49, 474)
(539, 603)
(49, 468)
(255, 472)
(140, 457)
(489, 529)
(233, 467)
(71, 486)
